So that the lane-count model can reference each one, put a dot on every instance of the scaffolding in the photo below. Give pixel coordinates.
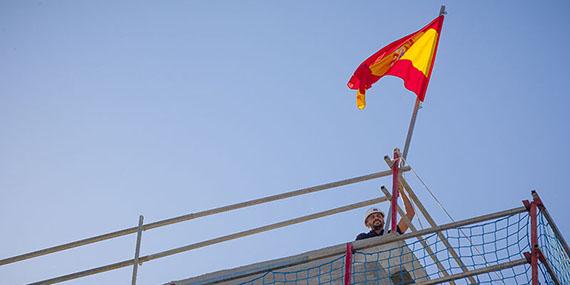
(520, 246)
(497, 248)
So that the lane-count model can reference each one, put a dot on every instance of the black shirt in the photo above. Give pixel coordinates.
(372, 233)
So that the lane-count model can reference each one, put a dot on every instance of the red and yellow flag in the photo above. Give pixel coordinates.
(410, 58)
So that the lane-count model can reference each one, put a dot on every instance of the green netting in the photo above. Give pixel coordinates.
(478, 246)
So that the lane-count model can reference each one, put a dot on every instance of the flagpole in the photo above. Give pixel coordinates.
(417, 107)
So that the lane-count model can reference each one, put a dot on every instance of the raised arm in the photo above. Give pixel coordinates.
(402, 225)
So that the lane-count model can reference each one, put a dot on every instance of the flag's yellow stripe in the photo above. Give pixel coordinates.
(421, 52)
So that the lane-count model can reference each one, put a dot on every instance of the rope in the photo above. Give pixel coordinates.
(430, 192)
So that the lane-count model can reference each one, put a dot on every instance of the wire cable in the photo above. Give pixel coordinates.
(446, 212)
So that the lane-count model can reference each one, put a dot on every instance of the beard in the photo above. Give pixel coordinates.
(377, 225)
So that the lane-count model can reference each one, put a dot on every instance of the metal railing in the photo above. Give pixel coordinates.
(258, 268)
(320, 254)
(144, 227)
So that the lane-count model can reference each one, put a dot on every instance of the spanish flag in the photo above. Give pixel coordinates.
(410, 58)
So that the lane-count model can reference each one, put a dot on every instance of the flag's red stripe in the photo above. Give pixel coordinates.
(414, 80)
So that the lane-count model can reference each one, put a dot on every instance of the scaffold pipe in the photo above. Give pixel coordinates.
(196, 215)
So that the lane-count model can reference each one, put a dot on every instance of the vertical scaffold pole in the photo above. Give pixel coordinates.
(137, 250)
(546, 214)
(534, 242)
(395, 192)
(348, 264)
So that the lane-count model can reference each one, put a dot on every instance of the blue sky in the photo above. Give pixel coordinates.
(111, 109)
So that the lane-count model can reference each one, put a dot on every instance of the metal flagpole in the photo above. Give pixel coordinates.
(417, 107)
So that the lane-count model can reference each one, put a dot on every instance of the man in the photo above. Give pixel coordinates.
(374, 219)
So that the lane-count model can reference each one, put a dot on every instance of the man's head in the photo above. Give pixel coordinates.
(374, 219)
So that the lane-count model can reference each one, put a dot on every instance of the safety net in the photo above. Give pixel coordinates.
(554, 253)
(491, 252)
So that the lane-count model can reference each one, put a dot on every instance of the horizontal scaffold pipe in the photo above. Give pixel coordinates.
(489, 269)
(214, 241)
(331, 251)
(196, 215)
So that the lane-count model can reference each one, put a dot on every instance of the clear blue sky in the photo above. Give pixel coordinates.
(111, 109)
